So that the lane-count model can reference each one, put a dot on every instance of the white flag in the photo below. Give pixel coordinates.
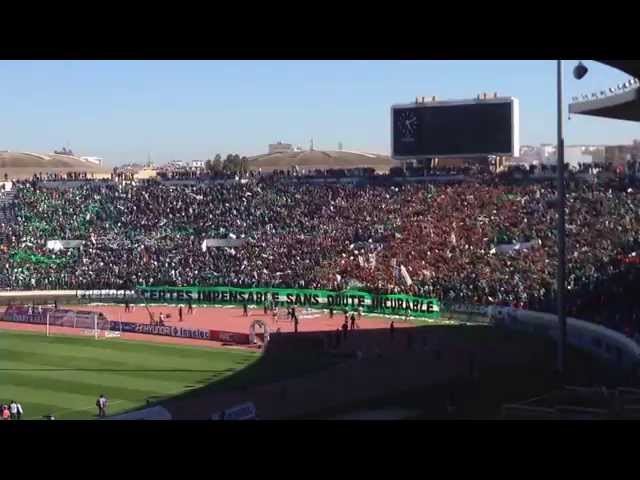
(405, 276)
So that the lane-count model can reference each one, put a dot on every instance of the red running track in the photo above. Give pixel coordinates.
(213, 318)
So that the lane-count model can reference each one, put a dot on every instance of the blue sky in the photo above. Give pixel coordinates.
(122, 110)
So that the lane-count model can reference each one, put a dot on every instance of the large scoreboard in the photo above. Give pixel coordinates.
(457, 128)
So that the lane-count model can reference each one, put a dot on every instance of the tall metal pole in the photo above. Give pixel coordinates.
(561, 232)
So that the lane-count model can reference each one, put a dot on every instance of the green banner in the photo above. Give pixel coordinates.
(351, 300)
(25, 257)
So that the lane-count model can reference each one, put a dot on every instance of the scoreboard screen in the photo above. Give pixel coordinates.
(455, 129)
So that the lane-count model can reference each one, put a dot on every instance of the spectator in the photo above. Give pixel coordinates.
(451, 239)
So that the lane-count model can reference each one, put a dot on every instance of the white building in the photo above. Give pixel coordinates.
(185, 164)
(95, 160)
(280, 148)
(532, 155)
(576, 155)
(545, 154)
(529, 155)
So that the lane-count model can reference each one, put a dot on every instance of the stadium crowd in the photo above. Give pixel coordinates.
(450, 239)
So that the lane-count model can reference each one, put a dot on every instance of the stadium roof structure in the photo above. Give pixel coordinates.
(630, 67)
(624, 105)
(23, 165)
(578, 403)
(321, 159)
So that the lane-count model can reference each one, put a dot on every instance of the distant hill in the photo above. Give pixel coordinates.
(23, 165)
(321, 159)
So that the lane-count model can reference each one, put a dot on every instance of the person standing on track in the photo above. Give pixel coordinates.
(295, 320)
(101, 403)
(392, 329)
(353, 321)
(190, 308)
(180, 313)
(245, 310)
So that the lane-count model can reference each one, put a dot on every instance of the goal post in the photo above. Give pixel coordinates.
(89, 323)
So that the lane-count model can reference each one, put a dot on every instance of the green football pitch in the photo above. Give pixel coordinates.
(63, 376)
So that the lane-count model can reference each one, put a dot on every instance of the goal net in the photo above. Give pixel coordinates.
(61, 321)
(111, 329)
(90, 324)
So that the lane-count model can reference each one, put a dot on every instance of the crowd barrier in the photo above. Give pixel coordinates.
(604, 343)
(152, 413)
(244, 411)
(466, 313)
(96, 320)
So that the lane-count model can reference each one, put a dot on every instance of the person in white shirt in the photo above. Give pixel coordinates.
(20, 411)
(13, 410)
(101, 403)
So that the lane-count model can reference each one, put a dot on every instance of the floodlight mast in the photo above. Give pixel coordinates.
(561, 206)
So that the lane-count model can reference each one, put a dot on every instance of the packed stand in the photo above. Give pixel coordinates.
(322, 236)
